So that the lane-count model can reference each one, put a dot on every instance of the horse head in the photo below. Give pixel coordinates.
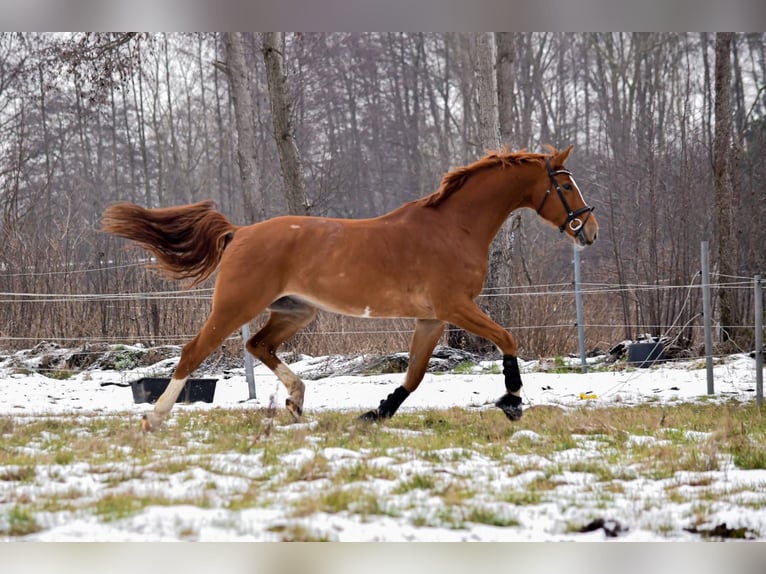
(567, 210)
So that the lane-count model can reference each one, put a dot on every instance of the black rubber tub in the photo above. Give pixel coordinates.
(149, 389)
(644, 355)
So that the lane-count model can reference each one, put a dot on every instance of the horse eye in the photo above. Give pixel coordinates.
(568, 186)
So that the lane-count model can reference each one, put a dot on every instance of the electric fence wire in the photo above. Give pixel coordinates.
(512, 291)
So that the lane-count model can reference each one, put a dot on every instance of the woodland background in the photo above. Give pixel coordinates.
(669, 132)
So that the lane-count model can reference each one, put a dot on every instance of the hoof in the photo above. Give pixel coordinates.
(150, 422)
(511, 406)
(293, 409)
(370, 416)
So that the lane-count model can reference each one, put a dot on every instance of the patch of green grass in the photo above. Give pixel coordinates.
(416, 482)
(455, 492)
(59, 374)
(63, 457)
(492, 517)
(120, 505)
(298, 533)
(173, 465)
(674, 495)
(113, 507)
(66, 501)
(558, 365)
(524, 497)
(464, 368)
(745, 443)
(451, 517)
(253, 445)
(6, 426)
(362, 472)
(23, 474)
(354, 500)
(21, 521)
(600, 470)
(251, 498)
(754, 504)
(314, 469)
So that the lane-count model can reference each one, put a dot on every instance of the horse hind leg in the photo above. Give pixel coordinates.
(288, 315)
(213, 333)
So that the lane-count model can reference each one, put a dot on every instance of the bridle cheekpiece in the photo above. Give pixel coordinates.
(573, 220)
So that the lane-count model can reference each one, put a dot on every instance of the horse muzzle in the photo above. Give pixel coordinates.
(587, 233)
(582, 227)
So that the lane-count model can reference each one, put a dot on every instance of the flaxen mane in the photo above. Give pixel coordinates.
(455, 179)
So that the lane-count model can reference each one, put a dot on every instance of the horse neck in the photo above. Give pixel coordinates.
(487, 198)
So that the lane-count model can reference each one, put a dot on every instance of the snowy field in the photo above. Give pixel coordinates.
(668, 382)
(640, 510)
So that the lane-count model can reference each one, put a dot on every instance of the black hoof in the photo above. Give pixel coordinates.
(511, 406)
(370, 416)
(388, 406)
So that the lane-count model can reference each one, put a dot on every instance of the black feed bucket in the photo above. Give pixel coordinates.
(149, 389)
(644, 355)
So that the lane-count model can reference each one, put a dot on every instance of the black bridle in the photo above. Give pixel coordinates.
(573, 220)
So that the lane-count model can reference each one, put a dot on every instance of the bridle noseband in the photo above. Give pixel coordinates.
(573, 217)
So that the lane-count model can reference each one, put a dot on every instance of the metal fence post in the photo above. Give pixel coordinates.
(578, 303)
(249, 375)
(707, 312)
(758, 340)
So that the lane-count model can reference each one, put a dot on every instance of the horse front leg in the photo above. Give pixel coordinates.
(424, 339)
(510, 402)
(471, 318)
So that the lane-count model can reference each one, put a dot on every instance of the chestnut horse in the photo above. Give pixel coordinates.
(426, 260)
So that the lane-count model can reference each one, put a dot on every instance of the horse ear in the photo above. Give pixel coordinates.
(560, 157)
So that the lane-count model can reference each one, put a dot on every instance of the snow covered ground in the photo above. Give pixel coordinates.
(23, 395)
(734, 378)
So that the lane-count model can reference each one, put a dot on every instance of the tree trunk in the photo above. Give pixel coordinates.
(241, 95)
(722, 152)
(284, 132)
(498, 276)
(486, 90)
(506, 54)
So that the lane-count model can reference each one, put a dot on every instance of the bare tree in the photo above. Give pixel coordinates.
(486, 90)
(88, 119)
(506, 54)
(241, 95)
(722, 160)
(498, 276)
(284, 131)
(506, 86)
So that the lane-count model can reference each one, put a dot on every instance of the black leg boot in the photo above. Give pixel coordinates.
(510, 403)
(388, 406)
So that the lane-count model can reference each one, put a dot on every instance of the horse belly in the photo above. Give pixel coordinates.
(367, 303)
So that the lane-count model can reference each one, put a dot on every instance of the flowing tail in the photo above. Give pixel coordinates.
(187, 241)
